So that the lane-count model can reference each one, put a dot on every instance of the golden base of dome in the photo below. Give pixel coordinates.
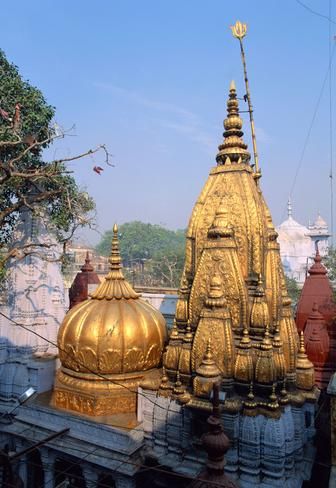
(91, 395)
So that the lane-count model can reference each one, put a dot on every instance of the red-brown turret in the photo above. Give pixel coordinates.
(315, 316)
(84, 280)
(316, 289)
(317, 344)
(216, 444)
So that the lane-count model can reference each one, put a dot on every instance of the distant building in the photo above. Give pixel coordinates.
(298, 244)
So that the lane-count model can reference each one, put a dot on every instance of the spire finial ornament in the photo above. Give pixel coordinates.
(233, 149)
(87, 267)
(302, 349)
(239, 31)
(115, 285)
(115, 258)
(289, 207)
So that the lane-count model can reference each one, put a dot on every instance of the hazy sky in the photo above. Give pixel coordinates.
(150, 78)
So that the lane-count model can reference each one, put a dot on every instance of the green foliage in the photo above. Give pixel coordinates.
(153, 255)
(68, 207)
(293, 290)
(329, 262)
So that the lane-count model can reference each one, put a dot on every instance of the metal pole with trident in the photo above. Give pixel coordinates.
(239, 32)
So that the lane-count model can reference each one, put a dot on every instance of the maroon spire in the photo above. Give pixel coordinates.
(317, 268)
(84, 280)
(316, 312)
(316, 288)
(216, 444)
(318, 346)
(87, 266)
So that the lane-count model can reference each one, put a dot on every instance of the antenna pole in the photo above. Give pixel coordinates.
(239, 32)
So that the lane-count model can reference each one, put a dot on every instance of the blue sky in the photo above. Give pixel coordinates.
(150, 78)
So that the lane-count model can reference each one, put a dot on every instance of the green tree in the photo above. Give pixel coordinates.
(329, 262)
(26, 179)
(293, 290)
(149, 251)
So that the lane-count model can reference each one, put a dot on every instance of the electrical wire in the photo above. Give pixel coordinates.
(80, 363)
(317, 105)
(331, 139)
(314, 12)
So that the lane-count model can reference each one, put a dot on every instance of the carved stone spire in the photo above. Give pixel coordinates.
(233, 149)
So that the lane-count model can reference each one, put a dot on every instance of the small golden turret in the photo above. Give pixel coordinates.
(165, 386)
(233, 149)
(185, 356)
(279, 358)
(207, 374)
(220, 226)
(259, 312)
(265, 373)
(305, 375)
(243, 368)
(180, 392)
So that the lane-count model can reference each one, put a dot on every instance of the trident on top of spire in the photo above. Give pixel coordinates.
(239, 31)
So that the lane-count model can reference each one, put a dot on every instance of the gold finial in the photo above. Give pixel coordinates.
(233, 149)
(174, 332)
(239, 30)
(302, 349)
(273, 395)
(250, 395)
(164, 380)
(188, 337)
(178, 388)
(232, 85)
(208, 367)
(114, 285)
(115, 258)
(245, 340)
(208, 353)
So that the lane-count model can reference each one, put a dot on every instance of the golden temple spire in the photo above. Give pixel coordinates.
(233, 149)
(114, 286)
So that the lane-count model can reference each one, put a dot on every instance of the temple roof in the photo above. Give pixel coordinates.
(316, 289)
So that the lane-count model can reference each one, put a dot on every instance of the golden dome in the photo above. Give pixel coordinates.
(113, 333)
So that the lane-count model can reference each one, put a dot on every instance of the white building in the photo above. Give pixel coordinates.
(298, 244)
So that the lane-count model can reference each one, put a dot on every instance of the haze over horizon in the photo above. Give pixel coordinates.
(150, 80)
